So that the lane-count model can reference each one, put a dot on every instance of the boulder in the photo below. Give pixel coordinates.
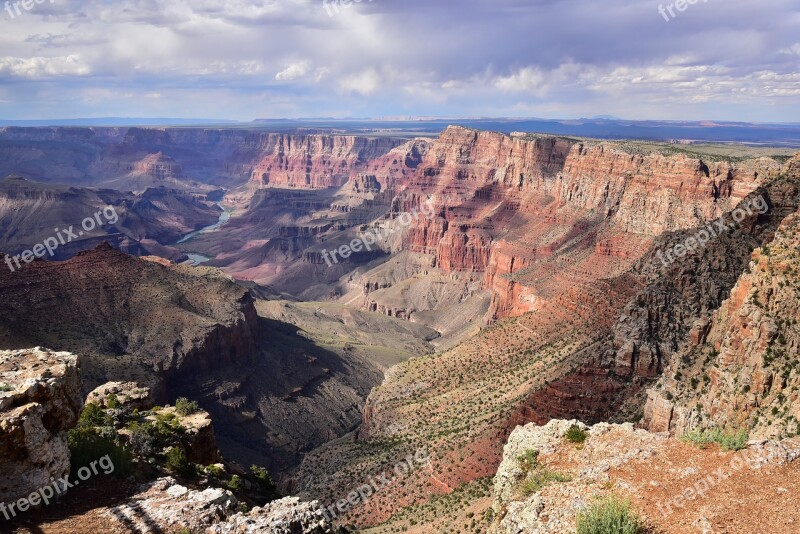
(40, 400)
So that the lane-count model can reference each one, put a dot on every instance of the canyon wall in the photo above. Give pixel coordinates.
(131, 158)
(739, 370)
(522, 209)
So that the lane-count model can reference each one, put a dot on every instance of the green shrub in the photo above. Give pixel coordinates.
(5, 387)
(528, 460)
(177, 462)
(167, 427)
(268, 487)
(142, 438)
(609, 515)
(538, 479)
(214, 471)
(94, 415)
(184, 406)
(729, 441)
(87, 445)
(113, 402)
(236, 483)
(576, 435)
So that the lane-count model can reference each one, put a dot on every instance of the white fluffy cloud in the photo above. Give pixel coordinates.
(40, 67)
(293, 72)
(244, 59)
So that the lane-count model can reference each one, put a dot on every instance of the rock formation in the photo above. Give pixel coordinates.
(166, 506)
(125, 394)
(40, 399)
(284, 516)
(739, 370)
(33, 213)
(653, 472)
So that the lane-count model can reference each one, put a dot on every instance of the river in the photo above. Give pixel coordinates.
(198, 259)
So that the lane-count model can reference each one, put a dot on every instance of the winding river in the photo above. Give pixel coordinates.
(198, 259)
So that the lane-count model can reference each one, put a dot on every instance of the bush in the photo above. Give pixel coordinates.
(529, 460)
(113, 402)
(540, 478)
(729, 441)
(184, 406)
(576, 435)
(610, 515)
(167, 428)
(177, 462)
(94, 415)
(95, 437)
(214, 471)
(142, 438)
(264, 482)
(236, 483)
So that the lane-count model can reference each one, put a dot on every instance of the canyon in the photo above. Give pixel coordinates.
(512, 280)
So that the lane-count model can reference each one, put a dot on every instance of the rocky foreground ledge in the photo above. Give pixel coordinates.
(551, 473)
(40, 399)
(166, 506)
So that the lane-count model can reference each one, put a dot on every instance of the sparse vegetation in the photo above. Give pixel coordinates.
(536, 476)
(609, 515)
(538, 479)
(576, 435)
(528, 460)
(728, 440)
(177, 463)
(236, 483)
(264, 481)
(185, 407)
(95, 437)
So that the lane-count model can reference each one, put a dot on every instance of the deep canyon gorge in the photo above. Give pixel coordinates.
(535, 291)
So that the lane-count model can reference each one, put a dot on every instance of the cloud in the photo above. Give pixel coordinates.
(793, 50)
(293, 72)
(249, 58)
(364, 83)
(39, 67)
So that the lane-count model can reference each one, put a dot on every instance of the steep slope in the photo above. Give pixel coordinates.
(274, 390)
(130, 319)
(32, 212)
(593, 341)
(740, 370)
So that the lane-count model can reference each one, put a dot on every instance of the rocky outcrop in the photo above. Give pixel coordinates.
(158, 166)
(124, 394)
(285, 516)
(553, 509)
(650, 471)
(166, 506)
(740, 367)
(198, 440)
(40, 399)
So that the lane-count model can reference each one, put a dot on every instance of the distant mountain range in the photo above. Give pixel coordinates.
(603, 127)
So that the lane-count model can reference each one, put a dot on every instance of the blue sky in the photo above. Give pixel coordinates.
(717, 59)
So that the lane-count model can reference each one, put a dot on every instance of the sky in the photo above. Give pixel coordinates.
(715, 60)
